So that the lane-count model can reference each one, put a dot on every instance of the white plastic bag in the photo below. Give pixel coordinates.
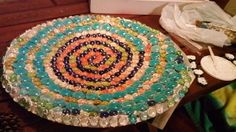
(181, 21)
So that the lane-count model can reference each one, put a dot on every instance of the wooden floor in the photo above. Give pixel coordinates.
(18, 15)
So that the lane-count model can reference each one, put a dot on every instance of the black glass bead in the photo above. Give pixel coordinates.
(99, 35)
(58, 73)
(76, 38)
(103, 36)
(179, 59)
(81, 37)
(56, 70)
(117, 74)
(88, 35)
(67, 43)
(113, 112)
(75, 112)
(151, 102)
(94, 35)
(66, 111)
(104, 114)
(57, 54)
(71, 40)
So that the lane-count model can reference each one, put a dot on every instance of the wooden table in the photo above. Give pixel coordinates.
(17, 16)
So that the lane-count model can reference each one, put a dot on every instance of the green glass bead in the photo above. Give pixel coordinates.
(96, 26)
(87, 107)
(156, 87)
(159, 98)
(170, 49)
(105, 97)
(155, 48)
(153, 63)
(119, 94)
(132, 119)
(23, 102)
(140, 98)
(153, 41)
(78, 95)
(140, 47)
(137, 41)
(181, 94)
(171, 57)
(180, 67)
(107, 26)
(114, 106)
(91, 96)
(140, 107)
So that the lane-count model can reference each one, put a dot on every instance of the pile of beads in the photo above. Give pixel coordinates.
(95, 71)
(198, 72)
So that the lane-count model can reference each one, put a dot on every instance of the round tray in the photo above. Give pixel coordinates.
(95, 71)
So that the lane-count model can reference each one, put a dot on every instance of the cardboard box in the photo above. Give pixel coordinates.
(141, 7)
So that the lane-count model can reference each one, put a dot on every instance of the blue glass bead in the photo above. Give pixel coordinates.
(140, 98)
(170, 49)
(171, 57)
(114, 30)
(137, 41)
(91, 96)
(131, 90)
(78, 95)
(180, 67)
(104, 114)
(155, 48)
(122, 33)
(78, 29)
(114, 105)
(76, 19)
(87, 107)
(159, 98)
(102, 108)
(153, 63)
(141, 107)
(119, 94)
(96, 26)
(105, 97)
(153, 41)
(107, 26)
(156, 87)
(140, 47)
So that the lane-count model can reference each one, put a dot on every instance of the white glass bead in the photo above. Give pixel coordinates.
(191, 57)
(103, 122)
(198, 71)
(93, 121)
(193, 65)
(123, 120)
(114, 121)
(151, 112)
(229, 56)
(202, 80)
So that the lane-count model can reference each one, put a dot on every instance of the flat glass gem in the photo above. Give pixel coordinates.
(103, 122)
(93, 121)
(151, 112)
(123, 120)
(159, 108)
(114, 121)
(84, 121)
(67, 119)
(144, 116)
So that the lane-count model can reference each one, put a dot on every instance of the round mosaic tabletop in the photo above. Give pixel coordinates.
(95, 71)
